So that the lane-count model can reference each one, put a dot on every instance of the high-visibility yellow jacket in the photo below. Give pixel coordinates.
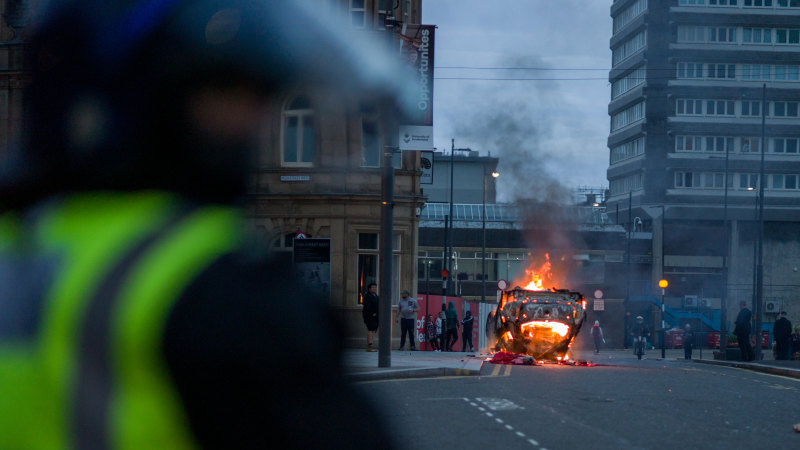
(86, 284)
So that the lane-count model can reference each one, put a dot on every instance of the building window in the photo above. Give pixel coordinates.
(748, 180)
(628, 14)
(370, 137)
(784, 182)
(358, 13)
(751, 108)
(751, 145)
(628, 82)
(298, 133)
(784, 109)
(696, 107)
(789, 3)
(785, 145)
(628, 48)
(627, 117)
(787, 36)
(627, 150)
(755, 71)
(757, 3)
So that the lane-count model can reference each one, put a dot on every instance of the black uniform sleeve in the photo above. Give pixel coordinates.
(257, 363)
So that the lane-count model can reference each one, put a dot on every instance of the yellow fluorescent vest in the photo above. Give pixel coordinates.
(85, 290)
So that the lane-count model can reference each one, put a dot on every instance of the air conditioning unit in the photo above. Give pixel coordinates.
(690, 301)
(772, 307)
(710, 303)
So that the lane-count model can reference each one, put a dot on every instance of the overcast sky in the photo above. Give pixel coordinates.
(559, 125)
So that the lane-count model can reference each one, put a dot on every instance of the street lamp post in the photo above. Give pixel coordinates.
(662, 283)
(483, 252)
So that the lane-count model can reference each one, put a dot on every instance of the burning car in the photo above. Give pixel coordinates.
(539, 323)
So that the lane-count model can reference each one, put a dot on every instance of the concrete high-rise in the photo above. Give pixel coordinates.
(685, 141)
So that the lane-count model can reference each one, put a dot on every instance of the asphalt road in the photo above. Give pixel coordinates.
(647, 404)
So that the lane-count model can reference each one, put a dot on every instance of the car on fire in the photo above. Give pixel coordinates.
(541, 323)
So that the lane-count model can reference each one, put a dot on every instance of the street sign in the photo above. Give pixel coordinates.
(300, 235)
(598, 293)
(599, 305)
(445, 273)
(502, 284)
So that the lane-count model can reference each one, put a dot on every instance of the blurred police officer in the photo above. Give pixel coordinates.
(131, 314)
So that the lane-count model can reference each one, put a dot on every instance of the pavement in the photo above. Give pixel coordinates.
(363, 366)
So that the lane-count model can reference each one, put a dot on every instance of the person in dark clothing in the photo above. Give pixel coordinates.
(466, 332)
(796, 343)
(640, 332)
(742, 332)
(597, 336)
(688, 341)
(140, 315)
(782, 331)
(452, 325)
(369, 313)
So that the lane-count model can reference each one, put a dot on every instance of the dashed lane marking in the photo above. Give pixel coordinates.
(496, 370)
(503, 402)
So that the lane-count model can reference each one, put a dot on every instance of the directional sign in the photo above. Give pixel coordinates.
(300, 235)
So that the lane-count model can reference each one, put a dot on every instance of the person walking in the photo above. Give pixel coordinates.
(782, 331)
(407, 316)
(141, 315)
(452, 326)
(441, 324)
(688, 341)
(369, 313)
(597, 336)
(742, 332)
(466, 332)
(430, 333)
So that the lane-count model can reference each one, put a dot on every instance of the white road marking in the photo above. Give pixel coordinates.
(466, 399)
(501, 404)
(498, 404)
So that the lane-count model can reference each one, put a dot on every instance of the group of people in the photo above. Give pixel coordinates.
(441, 334)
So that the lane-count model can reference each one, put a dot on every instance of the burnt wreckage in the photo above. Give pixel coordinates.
(541, 324)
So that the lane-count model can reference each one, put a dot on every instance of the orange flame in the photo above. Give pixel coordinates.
(538, 276)
(556, 327)
(508, 336)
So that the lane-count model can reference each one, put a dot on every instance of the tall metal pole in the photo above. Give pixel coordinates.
(483, 247)
(762, 184)
(385, 261)
(663, 323)
(452, 219)
(628, 264)
(723, 309)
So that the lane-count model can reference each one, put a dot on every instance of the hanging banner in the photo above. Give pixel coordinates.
(312, 264)
(417, 48)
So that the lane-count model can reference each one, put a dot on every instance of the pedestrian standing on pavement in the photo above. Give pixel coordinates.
(441, 324)
(782, 331)
(742, 332)
(430, 333)
(466, 332)
(688, 341)
(796, 343)
(370, 314)
(452, 325)
(407, 316)
(597, 336)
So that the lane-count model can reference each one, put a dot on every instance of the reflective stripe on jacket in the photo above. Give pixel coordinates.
(93, 279)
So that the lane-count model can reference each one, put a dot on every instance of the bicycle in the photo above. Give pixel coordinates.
(638, 346)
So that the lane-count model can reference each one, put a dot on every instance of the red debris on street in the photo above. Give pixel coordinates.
(513, 358)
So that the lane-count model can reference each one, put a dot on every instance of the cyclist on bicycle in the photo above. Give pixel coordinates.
(640, 332)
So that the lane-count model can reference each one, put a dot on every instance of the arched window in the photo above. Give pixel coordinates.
(298, 133)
